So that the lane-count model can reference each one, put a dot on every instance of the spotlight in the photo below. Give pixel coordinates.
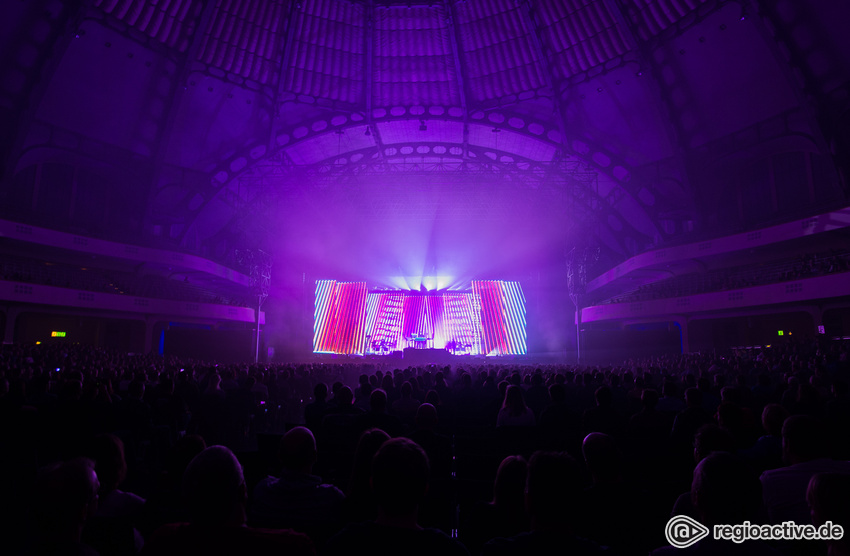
(422, 126)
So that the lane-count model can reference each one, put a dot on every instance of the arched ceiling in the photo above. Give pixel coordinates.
(616, 106)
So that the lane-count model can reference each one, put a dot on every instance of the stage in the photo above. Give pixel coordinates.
(487, 319)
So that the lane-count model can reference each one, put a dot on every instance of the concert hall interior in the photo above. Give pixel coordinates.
(222, 221)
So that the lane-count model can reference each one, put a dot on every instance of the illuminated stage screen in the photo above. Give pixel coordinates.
(489, 319)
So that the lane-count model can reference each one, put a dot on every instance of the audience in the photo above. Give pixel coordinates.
(613, 512)
(65, 499)
(297, 499)
(216, 495)
(514, 412)
(805, 449)
(360, 503)
(724, 491)
(399, 482)
(552, 500)
(504, 514)
(828, 495)
(377, 417)
(143, 419)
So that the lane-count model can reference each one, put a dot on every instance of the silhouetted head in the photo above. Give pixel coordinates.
(553, 488)
(649, 399)
(602, 457)
(107, 451)
(711, 438)
(433, 398)
(557, 393)
(369, 442)
(725, 490)
(827, 496)
(803, 439)
(604, 396)
(378, 401)
(772, 418)
(320, 392)
(214, 488)
(693, 397)
(399, 476)
(65, 498)
(426, 417)
(344, 397)
(514, 400)
(730, 416)
(509, 488)
(298, 450)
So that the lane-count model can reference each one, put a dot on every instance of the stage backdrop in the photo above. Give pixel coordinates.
(490, 319)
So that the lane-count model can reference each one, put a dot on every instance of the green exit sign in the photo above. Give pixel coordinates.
(56, 334)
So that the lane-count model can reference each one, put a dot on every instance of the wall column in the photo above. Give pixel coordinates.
(683, 326)
(11, 318)
(147, 346)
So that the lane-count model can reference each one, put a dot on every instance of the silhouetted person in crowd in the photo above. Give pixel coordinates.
(315, 411)
(215, 493)
(65, 499)
(724, 491)
(557, 414)
(708, 439)
(114, 527)
(604, 417)
(766, 453)
(805, 449)
(438, 447)
(687, 422)
(107, 451)
(399, 481)
(827, 496)
(504, 515)
(613, 512)
(133, 413)
(377, 416)
(405, 407)
(343, 407)
(165, 505)
(553, 501)
(537, 396)
(670, 403)
(649, 424)
(297, 499)
(360, 503)
(838, 416)
(211, 419)
(514, 412)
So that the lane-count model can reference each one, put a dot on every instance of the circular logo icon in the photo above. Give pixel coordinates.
(682, 531)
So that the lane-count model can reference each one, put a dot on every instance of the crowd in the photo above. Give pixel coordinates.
(108, 453)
